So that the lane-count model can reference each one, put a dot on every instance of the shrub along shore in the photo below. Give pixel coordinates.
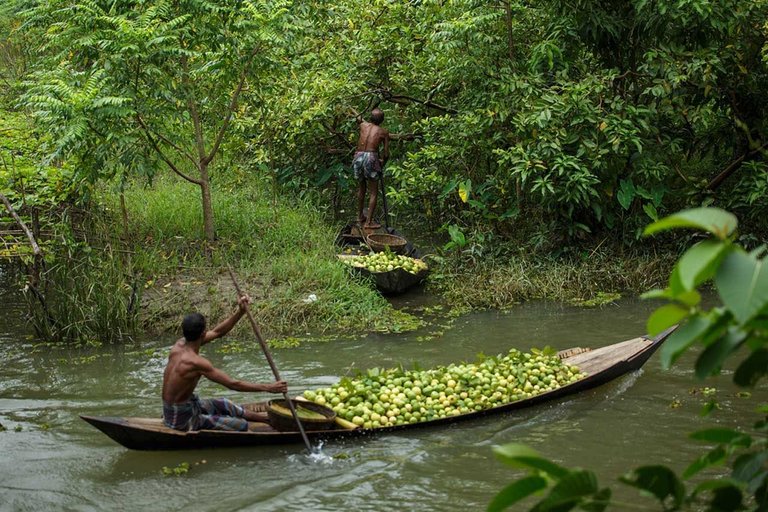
(283, 253)
(134, 263)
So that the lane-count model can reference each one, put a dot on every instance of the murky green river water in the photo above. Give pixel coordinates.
(52, 460)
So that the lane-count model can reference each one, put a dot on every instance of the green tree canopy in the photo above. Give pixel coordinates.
(127, 85)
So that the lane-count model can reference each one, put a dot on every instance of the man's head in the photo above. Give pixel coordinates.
(377, 116)
(193, 326)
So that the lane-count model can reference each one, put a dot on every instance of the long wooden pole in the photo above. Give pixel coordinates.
(271, 362)
(384, 200)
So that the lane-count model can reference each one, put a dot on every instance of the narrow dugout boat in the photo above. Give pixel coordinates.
(601, 365)
(392, 282)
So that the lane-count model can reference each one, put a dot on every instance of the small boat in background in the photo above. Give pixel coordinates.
(354, 241)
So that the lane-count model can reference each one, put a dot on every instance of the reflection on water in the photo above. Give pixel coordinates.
(53, 460)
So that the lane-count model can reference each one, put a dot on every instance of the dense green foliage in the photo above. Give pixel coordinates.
(561, 118)
(520, 128)
(736, 326)
(550, 123)
(524, 130)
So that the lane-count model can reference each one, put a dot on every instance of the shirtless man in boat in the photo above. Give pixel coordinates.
(182, 409)
(367, 164)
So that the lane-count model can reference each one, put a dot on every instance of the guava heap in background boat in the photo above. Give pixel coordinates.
(407, 271)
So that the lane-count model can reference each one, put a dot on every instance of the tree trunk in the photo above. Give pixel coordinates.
(205, 190)
(508, 20)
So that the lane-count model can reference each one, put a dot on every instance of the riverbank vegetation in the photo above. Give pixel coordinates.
(107, 278)
(530, 145)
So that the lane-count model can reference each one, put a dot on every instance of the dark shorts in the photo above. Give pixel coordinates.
(366, 166)
(206, 414)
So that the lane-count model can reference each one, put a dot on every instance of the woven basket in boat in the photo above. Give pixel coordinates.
(379, 242)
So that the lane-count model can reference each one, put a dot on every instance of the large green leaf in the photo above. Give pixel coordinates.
(664, 317)
(742, 282)
(751, 469)
(727, 498)
(626, 194)
(713, 220)
(660, 481)
(517, 491)
(520, 455)
(700, 262)
(715, 456)
(721, 436)
(599, 501)
(711, 360)
(570, 490)
(682, 338)
(752, 369)
(726, 494)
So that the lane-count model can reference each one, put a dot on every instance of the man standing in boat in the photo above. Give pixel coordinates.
(368, 164)
(182, 409)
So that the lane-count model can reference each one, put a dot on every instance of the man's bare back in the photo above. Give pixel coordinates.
(368, 164)
(182, 373)
(371, 137)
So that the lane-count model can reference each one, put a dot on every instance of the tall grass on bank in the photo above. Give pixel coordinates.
(282, 250)
(500, 283)
(85, 295)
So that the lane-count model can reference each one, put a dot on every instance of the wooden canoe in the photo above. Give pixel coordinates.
(601, 365)
(393, 282)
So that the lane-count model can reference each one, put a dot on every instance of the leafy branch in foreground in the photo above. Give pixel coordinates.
(741, 321)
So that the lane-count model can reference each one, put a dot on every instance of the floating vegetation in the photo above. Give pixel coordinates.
(599, 299)
(703, 391)
(181, 469)
(80, 360)
(708, 407)
(398, 322)
(234, 347)
(286, 342)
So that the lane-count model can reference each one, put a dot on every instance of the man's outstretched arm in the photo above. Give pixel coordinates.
(224, 327)
(218, 376)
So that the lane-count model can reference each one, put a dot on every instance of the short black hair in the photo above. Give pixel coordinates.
(193, 326)
(377, 116)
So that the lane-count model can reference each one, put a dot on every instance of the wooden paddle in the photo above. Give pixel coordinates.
(271, 362)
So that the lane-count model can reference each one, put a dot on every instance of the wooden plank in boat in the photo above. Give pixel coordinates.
(597, 359)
